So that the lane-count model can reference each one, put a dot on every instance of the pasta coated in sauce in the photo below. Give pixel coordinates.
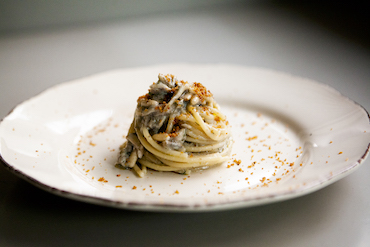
(177, 127)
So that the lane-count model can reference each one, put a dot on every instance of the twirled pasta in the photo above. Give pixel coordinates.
(177, 127)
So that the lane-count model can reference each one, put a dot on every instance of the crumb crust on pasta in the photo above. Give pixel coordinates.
(177, 127)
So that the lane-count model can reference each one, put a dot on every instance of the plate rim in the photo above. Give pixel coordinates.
(159, 207)
(162, 207)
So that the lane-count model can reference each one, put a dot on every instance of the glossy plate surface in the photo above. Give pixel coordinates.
(292, 136)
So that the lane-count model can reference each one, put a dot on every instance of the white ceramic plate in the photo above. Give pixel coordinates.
(292, 136)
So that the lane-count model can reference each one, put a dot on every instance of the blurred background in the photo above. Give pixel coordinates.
(43, 43)
(17, 15)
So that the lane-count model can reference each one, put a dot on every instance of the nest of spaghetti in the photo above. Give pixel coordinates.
(177, 127)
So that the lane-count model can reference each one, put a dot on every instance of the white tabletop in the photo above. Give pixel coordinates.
(251, 35)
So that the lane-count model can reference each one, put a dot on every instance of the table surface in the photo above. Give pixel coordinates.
(275, 37)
